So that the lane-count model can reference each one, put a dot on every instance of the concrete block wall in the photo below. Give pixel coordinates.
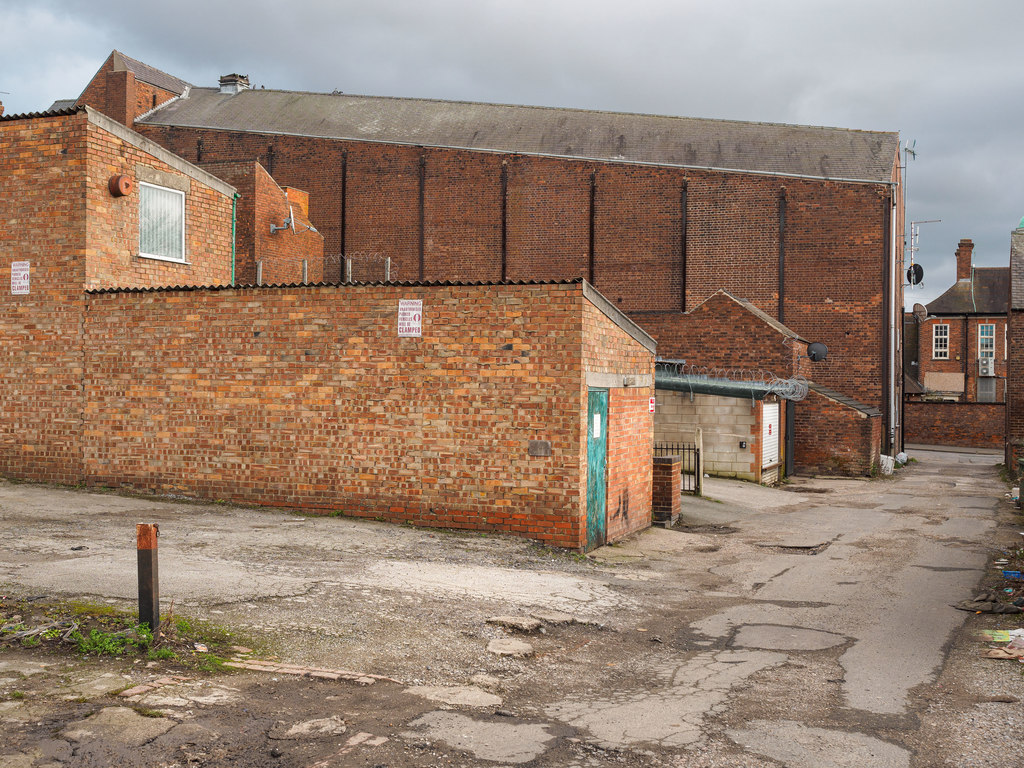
(725, 420)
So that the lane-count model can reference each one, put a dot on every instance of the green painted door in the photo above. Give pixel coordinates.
(597, 440)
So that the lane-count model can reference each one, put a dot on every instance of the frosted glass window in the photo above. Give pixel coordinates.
(161, 222)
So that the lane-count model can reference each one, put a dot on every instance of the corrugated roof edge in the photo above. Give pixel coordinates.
(839, 397)
(396, 283)
(47, 113)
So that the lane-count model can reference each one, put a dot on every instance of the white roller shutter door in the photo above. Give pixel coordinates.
(769, 434)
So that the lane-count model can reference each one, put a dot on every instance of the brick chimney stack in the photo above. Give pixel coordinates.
(234, 83)
(963, 258)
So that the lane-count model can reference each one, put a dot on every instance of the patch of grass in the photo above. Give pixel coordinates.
(160, 654)
(16, 695)
(31, 642)
(101, 643)
(146, 712)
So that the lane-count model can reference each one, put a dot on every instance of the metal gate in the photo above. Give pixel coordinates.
(690, 455)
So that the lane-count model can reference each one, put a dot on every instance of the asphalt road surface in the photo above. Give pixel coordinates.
(806, 627)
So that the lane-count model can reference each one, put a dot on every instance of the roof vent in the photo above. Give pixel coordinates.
(234, 83)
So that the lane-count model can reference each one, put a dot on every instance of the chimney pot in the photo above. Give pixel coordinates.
(234, 83)
(964, 251)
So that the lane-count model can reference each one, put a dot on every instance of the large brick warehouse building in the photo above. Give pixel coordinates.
(311, 218)
(658, 213)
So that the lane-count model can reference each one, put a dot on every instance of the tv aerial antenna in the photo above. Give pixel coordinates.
(915, 272)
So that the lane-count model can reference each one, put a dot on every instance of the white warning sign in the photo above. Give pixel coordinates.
(410, 317)
(19, 277)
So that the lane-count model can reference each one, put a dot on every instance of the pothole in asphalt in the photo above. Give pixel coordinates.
(812, 549)
(704, 528)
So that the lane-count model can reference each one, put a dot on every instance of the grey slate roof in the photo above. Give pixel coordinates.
(148, 74)
(987, 292)
(770, 148)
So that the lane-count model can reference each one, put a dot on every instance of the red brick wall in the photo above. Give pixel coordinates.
(630, 445)
(261, 203)
(667, 488)
(835, 237)
(113, 222)
(722, 333)
(970, 425)
(306, 397)
(120, 96)
(1015, 391)
(834, 439)
(43, 209)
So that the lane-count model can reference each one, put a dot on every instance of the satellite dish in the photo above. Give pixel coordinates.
(920, 312)
(817, 351)
(915, 274)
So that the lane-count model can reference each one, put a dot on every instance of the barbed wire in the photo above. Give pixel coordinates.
(794, 388)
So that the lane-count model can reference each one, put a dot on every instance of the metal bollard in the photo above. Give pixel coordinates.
(149, 580)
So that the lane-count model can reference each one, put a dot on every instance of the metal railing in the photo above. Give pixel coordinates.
(689, 454)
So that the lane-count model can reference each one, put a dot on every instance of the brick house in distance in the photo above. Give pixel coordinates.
(658, 213)
(961, 360)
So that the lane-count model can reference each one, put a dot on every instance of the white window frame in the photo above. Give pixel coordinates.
(987, 352)
(940, 352)
(157, 256)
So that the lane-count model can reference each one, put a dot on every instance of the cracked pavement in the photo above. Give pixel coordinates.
(781, 628)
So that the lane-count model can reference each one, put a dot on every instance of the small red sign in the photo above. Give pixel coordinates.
(650, 407)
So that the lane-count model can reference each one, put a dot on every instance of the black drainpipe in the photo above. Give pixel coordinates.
(682, 246)
(270, 159)
(504, 220)
(590, 247)
(782, 255)
(790, 438)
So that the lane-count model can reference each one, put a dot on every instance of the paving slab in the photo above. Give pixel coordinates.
(500, 742)
(799, 746)
(118, 724)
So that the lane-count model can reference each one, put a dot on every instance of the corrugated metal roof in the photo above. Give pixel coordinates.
(771, 148)
(148, 74)
(987, 292)
(47, 113)
(396, 283)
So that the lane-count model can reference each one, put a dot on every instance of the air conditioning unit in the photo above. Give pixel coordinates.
(986, 366)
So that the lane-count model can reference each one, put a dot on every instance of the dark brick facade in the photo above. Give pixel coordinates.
(968, 425)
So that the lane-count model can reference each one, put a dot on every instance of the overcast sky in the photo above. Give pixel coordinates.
(946, 75)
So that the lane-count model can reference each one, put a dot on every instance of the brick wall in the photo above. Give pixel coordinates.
(607, 350)
(963, 352)
(835, 233)
(120, 96)
(668, 482)
(970, 425)
(307, 397)
(61, 219)
(1015, 378)
(263, 203)
(43, 208)
(722, 333)
(834, 439)
(113, 222)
